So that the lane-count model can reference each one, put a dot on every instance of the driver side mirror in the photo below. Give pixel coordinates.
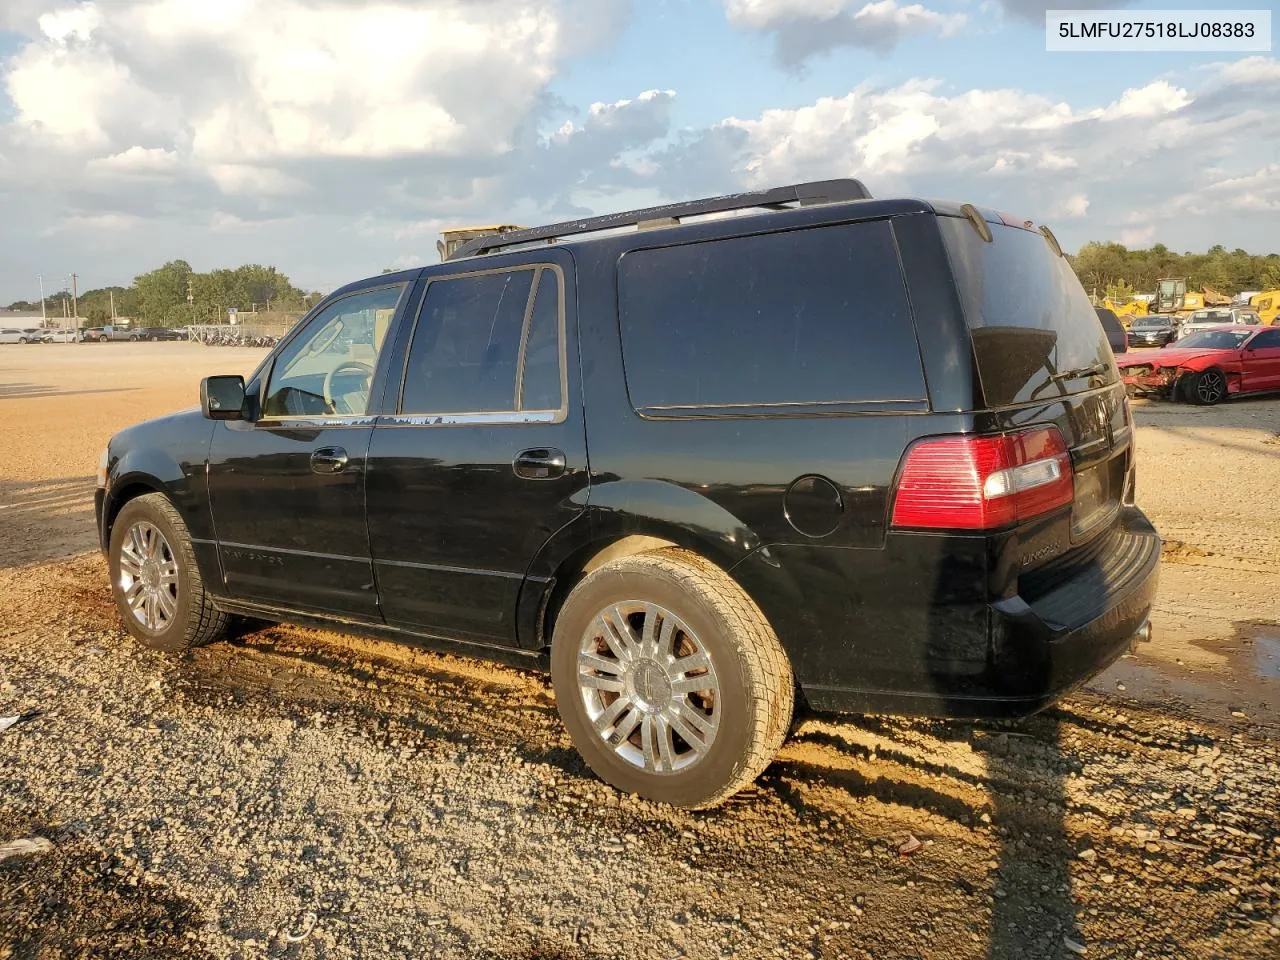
(222, 398)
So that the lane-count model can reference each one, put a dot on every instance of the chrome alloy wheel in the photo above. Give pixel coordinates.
(649, 687)
(149, 576)
(1211, 387)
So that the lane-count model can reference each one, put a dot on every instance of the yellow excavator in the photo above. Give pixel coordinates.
(1267, 304)
(1126, 310)
(1173, 298)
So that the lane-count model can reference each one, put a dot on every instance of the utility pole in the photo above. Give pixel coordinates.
(44, 318)
(75, 306)
(112, 294)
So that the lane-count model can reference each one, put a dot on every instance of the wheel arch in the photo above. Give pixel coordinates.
(626, 518)
(143, 471)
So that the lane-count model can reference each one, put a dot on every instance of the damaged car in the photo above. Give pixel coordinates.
(1208, 366)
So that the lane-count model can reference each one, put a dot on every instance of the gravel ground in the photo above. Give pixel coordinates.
(297, 793)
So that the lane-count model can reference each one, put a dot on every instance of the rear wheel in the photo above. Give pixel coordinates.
(155, 581)
(1205, 388)
(670, 679)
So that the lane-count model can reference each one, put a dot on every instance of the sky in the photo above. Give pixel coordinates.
(333, 138)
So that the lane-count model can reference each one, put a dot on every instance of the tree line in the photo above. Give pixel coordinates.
(1111, 269)
(176, 295)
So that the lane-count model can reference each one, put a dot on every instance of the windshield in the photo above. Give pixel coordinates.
(1215, 339)
(1211, 316)
(1035, 333)
(1149, 322)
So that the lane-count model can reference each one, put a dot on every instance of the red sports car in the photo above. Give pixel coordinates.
(1208, 366)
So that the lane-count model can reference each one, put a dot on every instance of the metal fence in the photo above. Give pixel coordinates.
(259, 330)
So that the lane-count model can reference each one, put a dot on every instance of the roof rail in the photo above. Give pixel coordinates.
(805, 194)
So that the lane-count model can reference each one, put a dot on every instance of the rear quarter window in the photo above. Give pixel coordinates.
(807, 317)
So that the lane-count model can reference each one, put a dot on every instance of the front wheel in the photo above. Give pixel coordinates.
(1206, 388)
(155, 582)
(670, 680)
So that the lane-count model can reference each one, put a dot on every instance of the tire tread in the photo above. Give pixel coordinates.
(759, 651)
(205, 622)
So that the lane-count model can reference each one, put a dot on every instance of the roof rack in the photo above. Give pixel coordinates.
(805, 194)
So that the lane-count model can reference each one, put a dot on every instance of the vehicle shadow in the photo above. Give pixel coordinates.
(29, 391)
(44, 520)
(1033, 912)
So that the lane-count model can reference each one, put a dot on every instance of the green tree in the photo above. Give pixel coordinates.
(162, 291)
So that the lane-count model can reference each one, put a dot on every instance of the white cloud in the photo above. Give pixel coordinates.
(1153, 100)
(242, 179)
(265, 79)
(136, 162)
(1072, 207)
(1257, 70)
(804, 28)
(1138, 237)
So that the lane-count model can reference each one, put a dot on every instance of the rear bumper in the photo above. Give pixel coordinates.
(1056, 634)
(1078, 626)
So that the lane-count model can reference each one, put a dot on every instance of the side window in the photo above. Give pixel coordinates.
(540, 383)
(804, 317)
(488, 343)
(327, 370)
(1268, 339)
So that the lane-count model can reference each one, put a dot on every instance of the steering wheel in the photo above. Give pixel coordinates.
(322, 346)
(346, 366)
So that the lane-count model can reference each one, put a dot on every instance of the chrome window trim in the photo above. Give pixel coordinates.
(515, 416)
(501, 417)
(338, 420)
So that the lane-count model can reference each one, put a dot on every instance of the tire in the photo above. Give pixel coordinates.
(191, 619)
(1206, 388)
(133, 339)
(23, 340)
(749, 679)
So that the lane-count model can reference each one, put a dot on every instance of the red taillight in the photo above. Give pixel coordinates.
(983, 483)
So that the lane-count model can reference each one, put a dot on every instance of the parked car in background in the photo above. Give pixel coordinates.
(60, 336)
(20, 335)
(1209, 319)
(674, 466)
(1153, 331)
(159, 333)
(1208, 366)
(104, 334)
(1116, 335)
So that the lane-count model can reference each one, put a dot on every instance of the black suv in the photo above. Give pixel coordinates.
(848, 453)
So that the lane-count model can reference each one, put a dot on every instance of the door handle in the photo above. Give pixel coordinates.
(329, 460)
(542, 463)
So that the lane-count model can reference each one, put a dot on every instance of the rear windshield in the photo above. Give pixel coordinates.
(1035, 333)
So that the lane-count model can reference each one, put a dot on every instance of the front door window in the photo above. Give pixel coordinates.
(328, 370)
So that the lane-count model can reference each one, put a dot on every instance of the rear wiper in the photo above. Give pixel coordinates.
(1097, 370)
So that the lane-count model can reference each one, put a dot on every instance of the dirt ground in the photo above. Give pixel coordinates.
(301, 794)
